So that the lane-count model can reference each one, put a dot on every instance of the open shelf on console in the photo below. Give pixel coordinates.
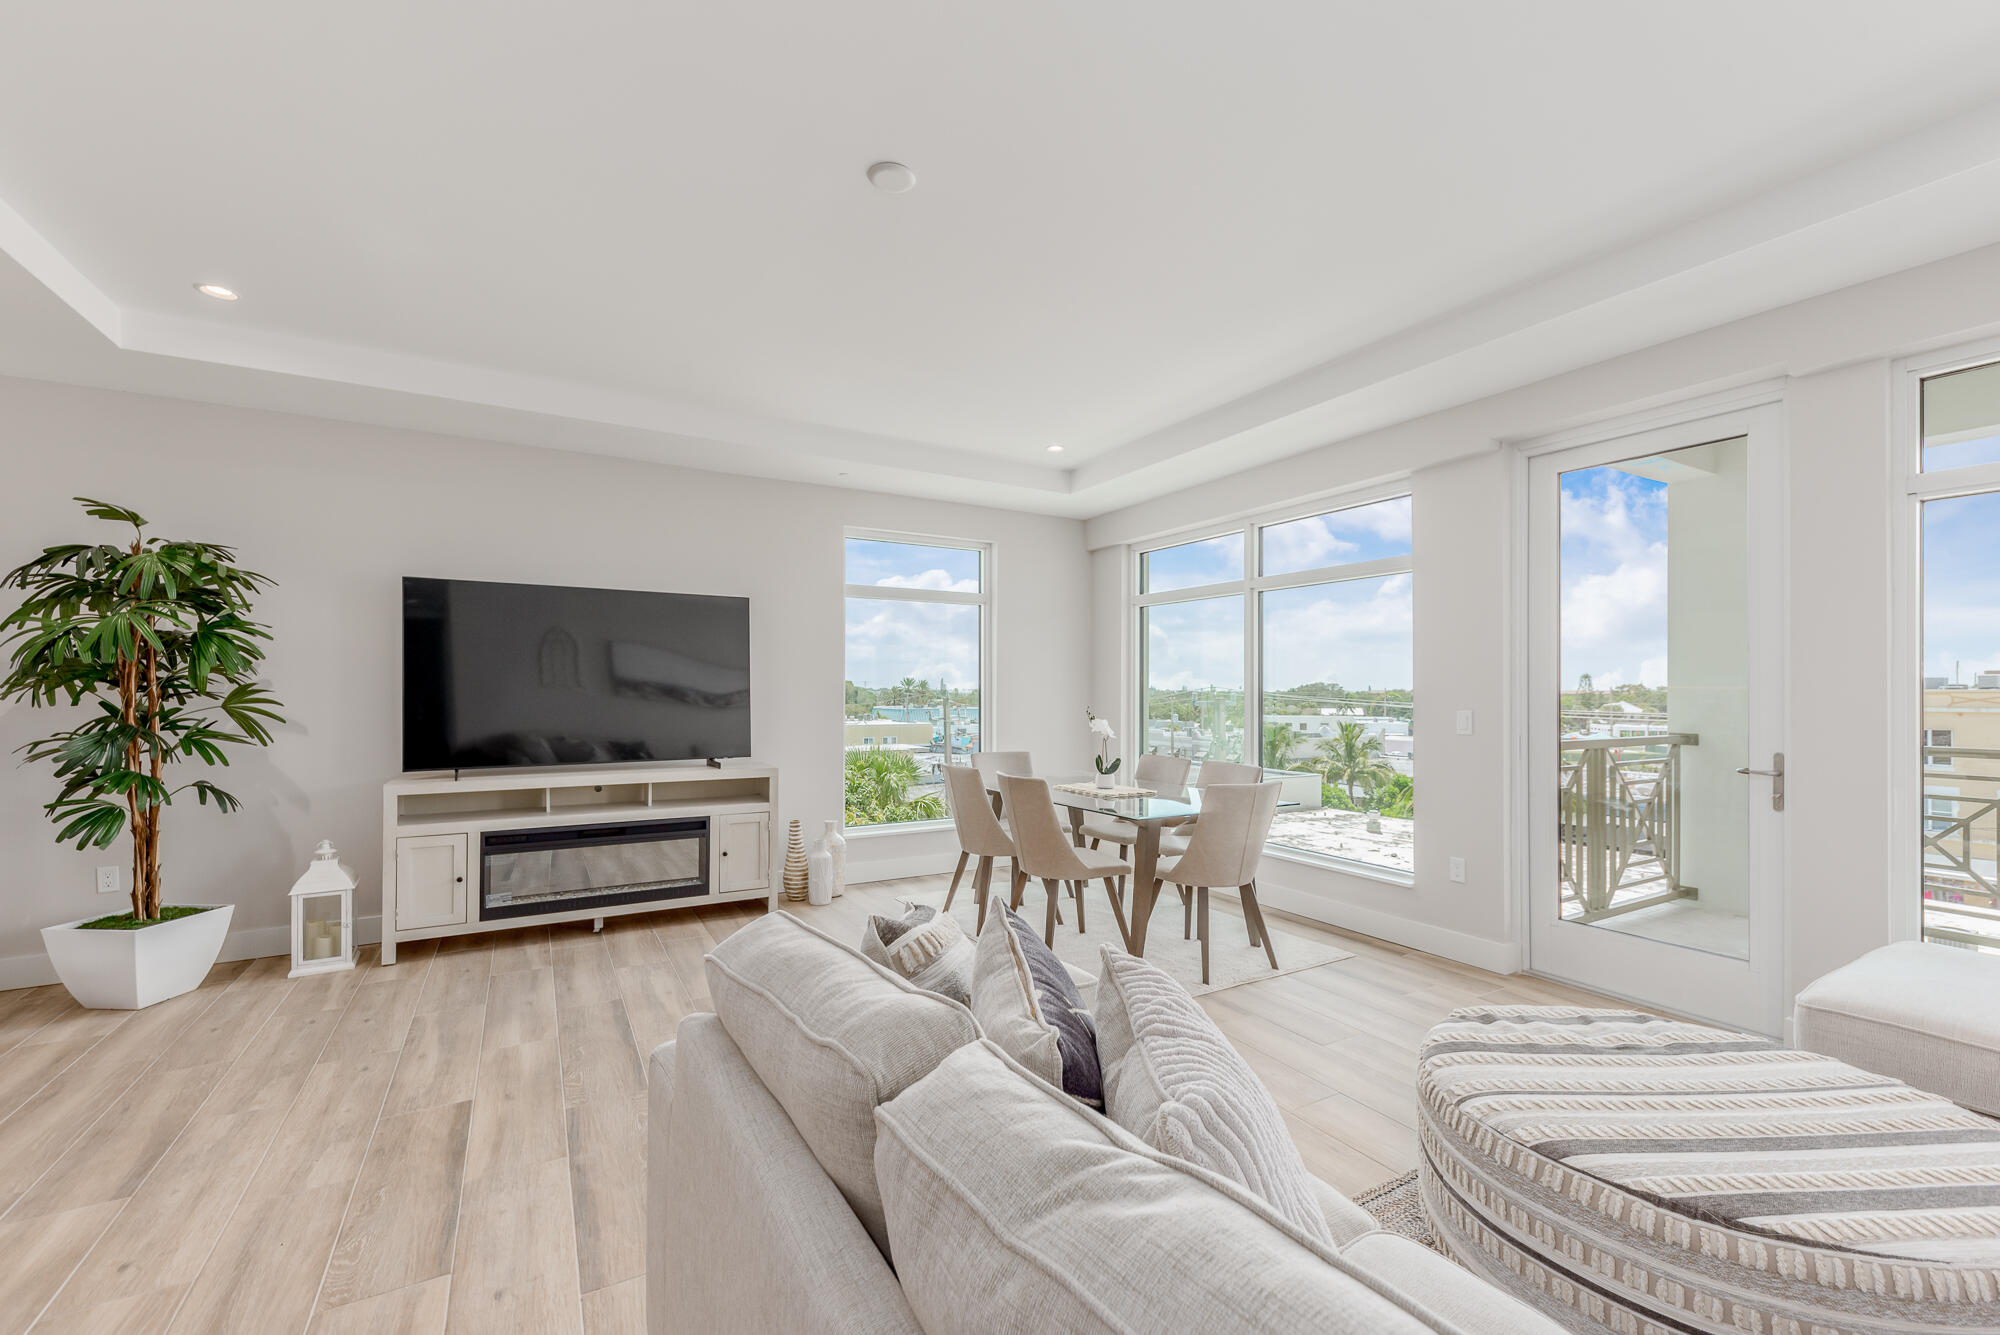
(509, 802)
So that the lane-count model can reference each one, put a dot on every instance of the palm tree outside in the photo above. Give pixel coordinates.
(1280, 742)
(1353, 756)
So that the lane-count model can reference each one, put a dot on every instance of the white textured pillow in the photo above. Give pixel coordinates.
(1171, 1079)
(925, 946)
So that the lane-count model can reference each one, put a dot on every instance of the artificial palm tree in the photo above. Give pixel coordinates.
(158, 634)
(1353, 755)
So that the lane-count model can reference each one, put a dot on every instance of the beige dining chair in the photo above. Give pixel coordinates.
(1224, 850)
(992, 764)
(1212, 772)
(1042, 849)
(980, 835)
(1161, 774)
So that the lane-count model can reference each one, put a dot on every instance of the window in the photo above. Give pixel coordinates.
(916, 636)
(1958, 535)
(1302, 663)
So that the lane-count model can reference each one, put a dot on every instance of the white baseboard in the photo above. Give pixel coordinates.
(247, 944)
(895, 869)
(1479, 951)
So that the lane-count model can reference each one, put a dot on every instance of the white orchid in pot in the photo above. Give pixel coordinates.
(1107, 764)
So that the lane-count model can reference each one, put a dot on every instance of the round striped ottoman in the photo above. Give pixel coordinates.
(1622, 1172)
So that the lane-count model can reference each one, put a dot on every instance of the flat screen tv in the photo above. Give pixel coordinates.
(497, 675)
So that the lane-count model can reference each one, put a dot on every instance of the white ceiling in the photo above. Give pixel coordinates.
(1175, 238)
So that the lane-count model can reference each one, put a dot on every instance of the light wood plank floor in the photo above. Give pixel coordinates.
(456, 1143)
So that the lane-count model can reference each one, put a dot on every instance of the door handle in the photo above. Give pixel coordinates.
(1776, 774)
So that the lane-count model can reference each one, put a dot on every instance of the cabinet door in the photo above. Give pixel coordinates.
(430, 881)
(743, 853)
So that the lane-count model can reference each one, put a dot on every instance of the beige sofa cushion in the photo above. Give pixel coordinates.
(1011, 1207)
(831, 1034)
(1173, 1080)
(1926, 1014)
(732, 1185)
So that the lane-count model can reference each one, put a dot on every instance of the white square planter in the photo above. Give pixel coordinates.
(130, 970)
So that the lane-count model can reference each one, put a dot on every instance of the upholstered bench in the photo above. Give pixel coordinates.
(1926, 1014)
(1627, 1173)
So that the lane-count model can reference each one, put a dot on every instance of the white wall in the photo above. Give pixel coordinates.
(338, 513)
(1832, 358)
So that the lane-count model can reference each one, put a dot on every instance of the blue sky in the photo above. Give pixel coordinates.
(1961, 586)
(1614, 579)
(888, 640)
(1355, 632)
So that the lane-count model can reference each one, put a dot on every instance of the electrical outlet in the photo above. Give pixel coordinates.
(1458, 870)
(1465, 723)
(107, 880)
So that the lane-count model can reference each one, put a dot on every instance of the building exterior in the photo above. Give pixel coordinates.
(863, 733)
(1962, 796)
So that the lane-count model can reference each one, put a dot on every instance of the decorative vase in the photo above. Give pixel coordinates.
(836, 845)
(819, 877)
(1107, 780)
(795, 864)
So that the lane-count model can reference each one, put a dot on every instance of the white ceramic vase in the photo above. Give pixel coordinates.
(118, 970)
(836, 844)
(1107, 780)
(819, 877)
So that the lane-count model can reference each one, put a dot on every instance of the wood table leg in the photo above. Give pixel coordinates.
(1145, 857)
(1075, 825)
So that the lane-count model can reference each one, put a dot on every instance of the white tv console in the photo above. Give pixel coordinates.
(431, 828)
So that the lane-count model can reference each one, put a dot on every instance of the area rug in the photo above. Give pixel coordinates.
(1232, 960)
(1398, 1206)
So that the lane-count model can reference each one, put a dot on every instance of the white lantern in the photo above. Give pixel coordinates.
(323, 914)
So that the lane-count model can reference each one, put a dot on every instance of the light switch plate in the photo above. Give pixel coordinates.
(107, 880)
(1458, 870)
(1465, 723)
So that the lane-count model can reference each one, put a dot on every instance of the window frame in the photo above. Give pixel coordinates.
(1911, 487)
(1252, 588)
(983, 600)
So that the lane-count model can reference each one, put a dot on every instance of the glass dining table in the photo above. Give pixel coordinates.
(1166, 807)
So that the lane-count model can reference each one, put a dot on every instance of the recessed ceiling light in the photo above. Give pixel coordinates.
(216, 290)
(891, 178)
(1055, 449)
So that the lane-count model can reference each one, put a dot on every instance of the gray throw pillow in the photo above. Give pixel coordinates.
(924, 946)
(1173, 1080)
(1025, 1001)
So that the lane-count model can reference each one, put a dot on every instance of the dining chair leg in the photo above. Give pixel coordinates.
(1054, 888)
(1093, 845)
(1244, 894)
(982, 886)
(1124, 852)
(1076, 888)
(1252, 909)
(956, 872)
(1017, 881)
(1116, 893)
(1187, 915)
(1201, 912)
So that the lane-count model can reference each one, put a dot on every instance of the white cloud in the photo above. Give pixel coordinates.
(929, 579)
(890, 640)
(1614, 581)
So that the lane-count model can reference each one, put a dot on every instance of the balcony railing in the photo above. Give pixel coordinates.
(1961, 846)
(1619, 806)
